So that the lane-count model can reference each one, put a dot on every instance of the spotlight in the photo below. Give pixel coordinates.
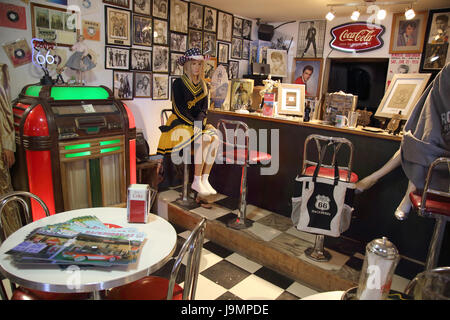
(330, 15)
(381, 14)
(409, 14)
(355, 15)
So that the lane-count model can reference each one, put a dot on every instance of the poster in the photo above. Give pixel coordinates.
(91, 30)
(13, 16)
(402, 63)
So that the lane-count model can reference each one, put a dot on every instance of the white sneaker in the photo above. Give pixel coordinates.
(198, 186)
(207, 185)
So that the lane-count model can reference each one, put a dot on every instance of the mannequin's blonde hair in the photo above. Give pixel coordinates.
(188, 71)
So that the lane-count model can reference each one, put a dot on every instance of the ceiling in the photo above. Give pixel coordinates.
(288, 10)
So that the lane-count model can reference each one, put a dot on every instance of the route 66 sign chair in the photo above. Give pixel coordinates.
(324, 192)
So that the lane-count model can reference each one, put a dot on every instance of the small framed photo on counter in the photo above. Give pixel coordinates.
(291, 99)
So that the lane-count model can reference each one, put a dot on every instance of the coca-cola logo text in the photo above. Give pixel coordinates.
(357, 37)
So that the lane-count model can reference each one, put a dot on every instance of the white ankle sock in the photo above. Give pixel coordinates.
(207, 185)
(198, 186)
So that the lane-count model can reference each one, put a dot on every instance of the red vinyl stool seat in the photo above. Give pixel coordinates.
(22, 293)
(239, 155)
(434, 204)
(147, 288)
(329, 173)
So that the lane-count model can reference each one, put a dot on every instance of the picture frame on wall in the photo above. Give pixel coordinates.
(160, 88)
(123, 85)
(195, 16)
(247, 29)
(209, 67)
(241, 93)
(178, 42)
(237, 27)
(277, 59)
(118, 3)
(436, 53)
(195, 39)
(309, 73)
(236, 48)
(142, 84)
(160, 8)
(209, 19)
(175, 68)
(223, 50)
(160, 32)
(117, 58)
(311, 38)
(178, 16)
(140, 60)
(407, 36)
(143, 7)
(209, 44)
(402, 95)
(234, 69)
(224, 26)
(246, 49)
(160, 59)
(118, 26)
(291, 99)
(142, 31)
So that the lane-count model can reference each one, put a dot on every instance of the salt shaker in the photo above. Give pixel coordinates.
(378, 268)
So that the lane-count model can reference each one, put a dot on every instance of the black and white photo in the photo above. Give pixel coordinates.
(141, 60)
(178, 16)
(311, 37)
(209, 44)
(142, 27)
(160, 32)
(237, 27)
(175, 68)
(222, 53)
(209, 67)
(247, 29)
(160, 59)
(119, 3)
(224, 26)
(210, 19)
(118, 26)
(195, 39)
(117, 58)
(142, 85)
(123, 85)
(160, 8)
(160, 86)
(195, 16)
(234, 69)
(178, 42)
(142, 7)
(246, 49)
(236, 48)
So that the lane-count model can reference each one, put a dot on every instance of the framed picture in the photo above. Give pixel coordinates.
(18, 52)
(178, 42)
(195, 16)
(241, 93)
(160, 32)
(118, 26)
(277, 59)
(143, 7)
(123, 85)
(291, 99)
(54, 25)
(175, 68)
(311, 38)
(179, 16)
(247, 29)
(236, 48)
(222, 52)
(402, 95)
(160, 8)
(246, 49)
(119, 3)
(117, 58)
(195, 39)
(407, 35)
(224, 26)
(436, 52)
(142, 31)
(237, 27)
(309, 73)
(142, 85)
(160, 86)
(210, 19)
(402, 63)
(141, 60)
(209, 44)
(234, 69)
(209, 67)
(160, 59)
(226, 67)
(91, 30)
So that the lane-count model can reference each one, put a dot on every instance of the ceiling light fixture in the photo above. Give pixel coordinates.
(355, 15)
(409, 13)
(380, 13)
(330, 15)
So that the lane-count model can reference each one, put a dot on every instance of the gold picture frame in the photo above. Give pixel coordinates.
(291, 99)
(403, 29)
(241, 93)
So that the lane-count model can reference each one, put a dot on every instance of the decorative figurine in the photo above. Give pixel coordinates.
(80, 60)
(307, 112)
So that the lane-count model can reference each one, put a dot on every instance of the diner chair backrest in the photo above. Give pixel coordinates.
(234, 135)
(191, 253)
(165, 114)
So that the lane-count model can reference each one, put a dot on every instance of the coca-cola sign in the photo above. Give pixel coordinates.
(357, 37)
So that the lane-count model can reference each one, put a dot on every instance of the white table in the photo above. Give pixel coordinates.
(156, 251)
(329, 295)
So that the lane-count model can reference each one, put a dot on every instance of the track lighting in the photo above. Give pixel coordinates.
(409, 13)
(330, 15)
(355, 15)
(381, 14)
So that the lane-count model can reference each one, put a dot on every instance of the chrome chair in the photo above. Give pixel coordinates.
(159, 288)
(431, 284)
(433, 203)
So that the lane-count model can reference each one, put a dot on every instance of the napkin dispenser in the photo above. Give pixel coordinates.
(138, 203)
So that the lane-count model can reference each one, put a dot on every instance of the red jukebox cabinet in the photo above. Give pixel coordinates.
(76, 147)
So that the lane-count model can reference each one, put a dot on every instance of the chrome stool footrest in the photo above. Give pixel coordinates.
(318, 253)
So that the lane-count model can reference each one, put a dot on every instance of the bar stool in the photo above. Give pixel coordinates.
(433, 203)
(318, 253)
(237, 152)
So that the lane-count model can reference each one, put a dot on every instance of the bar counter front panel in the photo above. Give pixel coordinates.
(373, 216)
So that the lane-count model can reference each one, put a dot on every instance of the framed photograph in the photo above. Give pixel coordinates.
(402, 95)
(179, 16)
(160, 86)
(277, 59)
(236, 48)
(222, 52)
(142, 85)
(209, 19)
(18, 52)
(247, 29)
(209, 67)
(178, 42)
(224, 26)
(309, 73)
(436, 53)
(407, 35)
(118, 26)
(143, 7)
(237, 27)
(241, 93)
(195, 39)
(195, 16)
(160, 8)
(234, 69)
(141, 60)
(160, 59)
(175, 68)
(226, 68)
(246, 49)
(119, 3)
(311, 38)
(142, 31)
(123, 85)
(209, 44)
(160, 34)
(91, 30)
(291, 99)
(117, 58)
(54, 25)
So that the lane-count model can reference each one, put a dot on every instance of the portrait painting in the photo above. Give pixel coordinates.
(142, 34)
(209, 67)
(407, 36)
(277, 59)
(142, 85)
(309, 73)
(224, 26)
(123, 85)
(160, 8)
(209, 19)
(195, 16)
(241, 93)
(178, 16)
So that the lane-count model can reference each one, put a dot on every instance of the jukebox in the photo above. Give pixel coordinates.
(76, 147)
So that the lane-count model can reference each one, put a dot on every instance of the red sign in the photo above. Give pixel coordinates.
(357, 37)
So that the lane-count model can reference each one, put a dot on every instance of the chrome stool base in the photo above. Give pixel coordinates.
(239, 224)
(185, 202)
(319, 256)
